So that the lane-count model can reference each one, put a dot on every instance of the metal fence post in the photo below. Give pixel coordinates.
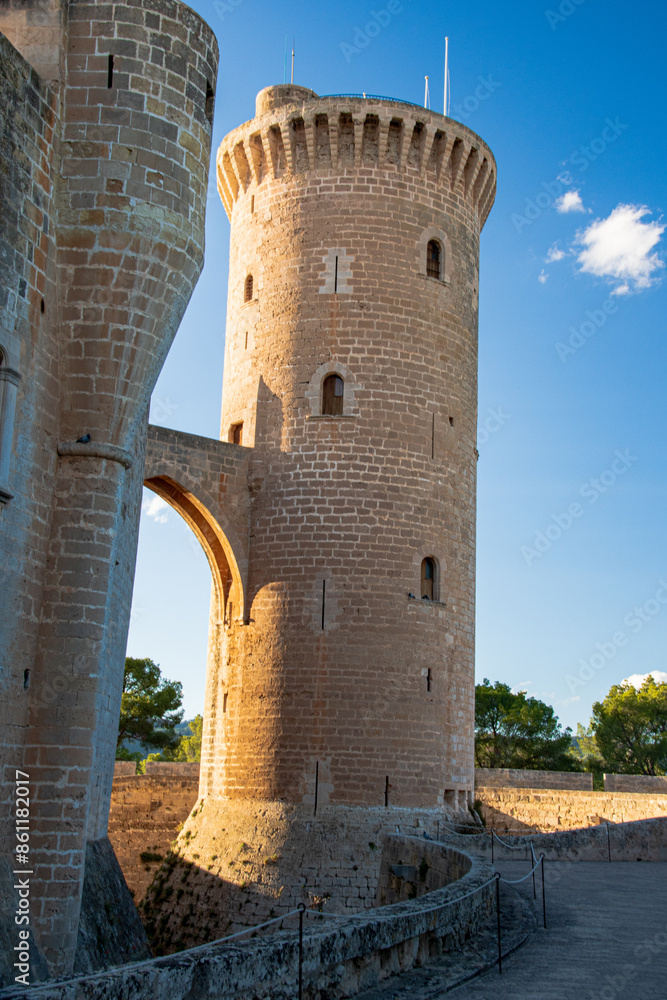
(302, 910)
(500, 954)
(544, 903)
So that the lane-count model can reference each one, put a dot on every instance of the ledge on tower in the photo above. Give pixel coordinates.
(281, 94)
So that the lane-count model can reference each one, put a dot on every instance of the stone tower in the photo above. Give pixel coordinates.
(105, 119)
(340, 703)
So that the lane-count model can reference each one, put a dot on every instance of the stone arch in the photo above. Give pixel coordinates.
(218, 547)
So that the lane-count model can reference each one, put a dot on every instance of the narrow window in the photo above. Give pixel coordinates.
(26, 679)
(246, 340)
(224, 701)
(332, 395)
(210, 102)
(428, 679)
(336, 275)
(110, 72)
(252, 204)
(428, 588)
(433, 255)
(236, 433)
(247, 289)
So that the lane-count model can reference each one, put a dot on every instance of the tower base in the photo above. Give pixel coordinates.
(239, 863)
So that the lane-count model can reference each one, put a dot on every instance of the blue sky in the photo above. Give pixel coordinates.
(571, 488)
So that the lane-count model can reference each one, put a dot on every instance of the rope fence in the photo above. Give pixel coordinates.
(302, 910)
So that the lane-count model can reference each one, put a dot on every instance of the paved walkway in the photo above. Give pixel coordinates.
(606, 939)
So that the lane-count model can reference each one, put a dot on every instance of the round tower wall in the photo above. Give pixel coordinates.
(339, 685)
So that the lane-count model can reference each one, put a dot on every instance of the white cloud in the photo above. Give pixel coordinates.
(156, 508)
(542, 277)
(620, 247)
(555, 253)
(659, 676)
(570, 202)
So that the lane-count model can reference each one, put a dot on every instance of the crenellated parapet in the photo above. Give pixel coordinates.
(295, 132)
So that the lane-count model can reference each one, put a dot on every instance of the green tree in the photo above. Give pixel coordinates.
(512, 730)
(630, 728)
(586, 753)
(150, 709)
(189, 747)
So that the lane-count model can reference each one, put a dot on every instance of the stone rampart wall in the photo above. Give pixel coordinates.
(167, 769)
(342, 957)
(523, 810)
(146, 813)
(641, 840)
(636, 783)
(503, 777)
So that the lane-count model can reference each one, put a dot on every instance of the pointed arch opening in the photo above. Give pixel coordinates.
(227, 582)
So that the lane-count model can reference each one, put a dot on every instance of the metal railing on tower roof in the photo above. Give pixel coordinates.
(379, 97)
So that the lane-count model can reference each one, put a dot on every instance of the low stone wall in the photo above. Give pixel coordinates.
(146, 813)
(641, 840)
(410, 867)
(124, 769)
(341, 957)
(167, 769)
(635, 783)
(528, 810)
(504, 777)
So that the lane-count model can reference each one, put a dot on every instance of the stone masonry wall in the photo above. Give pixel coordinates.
(503, 777)
(523, 810)
(340, 957)
(93, 296)
(654, 784)
(332, 203)
(29, 400)
(146, 815)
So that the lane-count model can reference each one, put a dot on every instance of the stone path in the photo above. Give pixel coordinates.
(606, 939)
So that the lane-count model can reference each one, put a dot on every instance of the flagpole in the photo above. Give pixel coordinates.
(444, 110)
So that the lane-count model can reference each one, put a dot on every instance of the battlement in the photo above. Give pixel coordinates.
(342, 133)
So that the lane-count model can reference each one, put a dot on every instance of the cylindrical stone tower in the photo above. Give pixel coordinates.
(343, 703)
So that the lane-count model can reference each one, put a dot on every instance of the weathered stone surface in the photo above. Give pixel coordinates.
(146, 815)
(655, 784)
(520, 810)
(110, 931)
(101, 243)
(340, 955)
(504, 777)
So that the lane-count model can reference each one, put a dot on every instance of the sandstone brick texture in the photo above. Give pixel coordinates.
(524, 810)
(146, 814)
(504, 777)
(335, 676)
(102, 196)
